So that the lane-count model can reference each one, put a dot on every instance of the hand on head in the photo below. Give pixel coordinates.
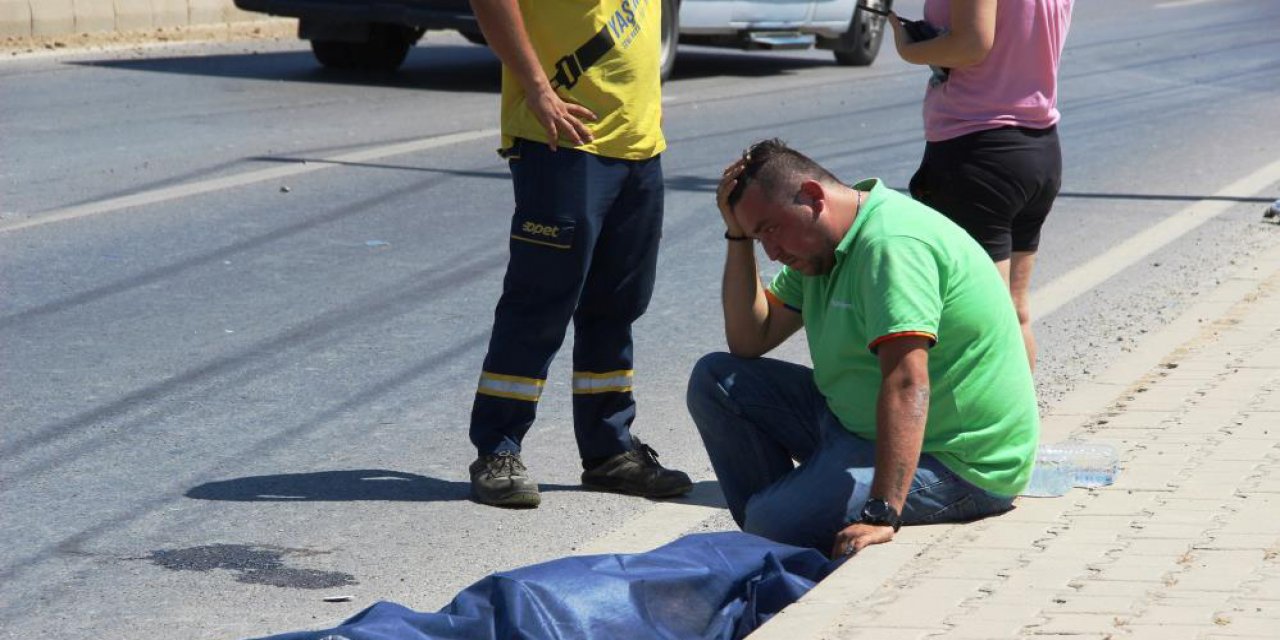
(729, 182)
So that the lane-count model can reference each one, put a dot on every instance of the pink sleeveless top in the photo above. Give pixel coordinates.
(1017, 83)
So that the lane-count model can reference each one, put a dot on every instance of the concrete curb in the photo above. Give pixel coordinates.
(42, 18)
(1127, 546)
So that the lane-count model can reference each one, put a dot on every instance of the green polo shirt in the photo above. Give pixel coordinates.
(903, 268)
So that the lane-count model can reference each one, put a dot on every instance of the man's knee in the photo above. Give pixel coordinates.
(704, 380)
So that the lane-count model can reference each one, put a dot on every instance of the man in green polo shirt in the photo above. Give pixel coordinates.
(920, 406)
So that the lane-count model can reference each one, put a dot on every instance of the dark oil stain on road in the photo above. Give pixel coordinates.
(254, 564)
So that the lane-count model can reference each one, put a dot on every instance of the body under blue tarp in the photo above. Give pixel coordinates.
(705, 586)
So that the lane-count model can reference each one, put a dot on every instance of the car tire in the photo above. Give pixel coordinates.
(670, 37)
(385, 50)
(860, 44)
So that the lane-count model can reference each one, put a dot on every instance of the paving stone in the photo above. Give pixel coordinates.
(1227, 635)
(1005, 608)
(1127, 607)
(1240, 541)
(1198, 439)
(1088, 519)
(1147, 633)
(1046, 510)
(1177, 531)
(1215, 570)
(873, 632)
(1214, 491)
(1078, 534)
(1251, 607)
(1247, 626)
(941, 593)
(1161, 398)
(1134, 569)
(1148, 476)
(980, 631)
(1012, 535)
(1242, 449)
(1163, 614)
(1077, 623)
(1118, 588)
(1043, 576)
(1168, 631)
(966, 566)
(1268, 588)
(1164, 547)
(1247, 520)
(1205, 518)
(1134, 424)
(1269, 402)
(1121, 503)
(1173, 502)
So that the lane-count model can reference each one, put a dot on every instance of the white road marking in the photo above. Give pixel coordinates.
(1181, 3)
(1053, 296)
(165, 194)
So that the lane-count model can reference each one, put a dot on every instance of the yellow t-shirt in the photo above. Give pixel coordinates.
(603, 55)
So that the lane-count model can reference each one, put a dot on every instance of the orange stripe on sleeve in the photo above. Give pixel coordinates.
(773, 297)
(902, 334)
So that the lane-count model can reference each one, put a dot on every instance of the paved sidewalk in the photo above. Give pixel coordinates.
(1185, 544)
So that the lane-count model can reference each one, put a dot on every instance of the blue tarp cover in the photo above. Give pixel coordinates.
(705, 586)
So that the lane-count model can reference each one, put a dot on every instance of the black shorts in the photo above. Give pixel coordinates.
(998, 184)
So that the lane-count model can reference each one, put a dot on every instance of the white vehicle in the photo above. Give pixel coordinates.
(377, 34)
(851, 33)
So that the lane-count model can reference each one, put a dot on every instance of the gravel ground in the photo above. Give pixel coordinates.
(277, 29)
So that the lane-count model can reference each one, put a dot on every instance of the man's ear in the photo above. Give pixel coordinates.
(814, 196)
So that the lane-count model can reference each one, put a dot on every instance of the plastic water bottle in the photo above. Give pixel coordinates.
(1062, 465)
(1049, 476)
(1092, 464)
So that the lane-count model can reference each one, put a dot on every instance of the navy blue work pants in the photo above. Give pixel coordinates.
(584, 247)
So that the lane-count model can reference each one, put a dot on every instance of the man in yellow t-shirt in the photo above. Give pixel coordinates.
(581, 129)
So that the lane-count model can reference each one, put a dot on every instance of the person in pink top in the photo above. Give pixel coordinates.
(992, 162)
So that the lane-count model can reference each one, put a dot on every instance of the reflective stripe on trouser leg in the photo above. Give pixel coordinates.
(513, 387)
(611, 381)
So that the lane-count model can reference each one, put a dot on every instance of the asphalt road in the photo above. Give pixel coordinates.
(245, 301)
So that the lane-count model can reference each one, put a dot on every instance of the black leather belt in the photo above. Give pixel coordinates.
(571, 67)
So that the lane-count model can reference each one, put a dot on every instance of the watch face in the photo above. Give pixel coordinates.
(876, 510)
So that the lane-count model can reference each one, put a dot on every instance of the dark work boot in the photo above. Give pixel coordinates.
(501, 480)
(638, 473)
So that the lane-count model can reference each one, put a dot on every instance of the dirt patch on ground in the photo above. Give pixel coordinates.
(282, 29)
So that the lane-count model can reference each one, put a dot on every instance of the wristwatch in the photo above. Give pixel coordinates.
(877, 511)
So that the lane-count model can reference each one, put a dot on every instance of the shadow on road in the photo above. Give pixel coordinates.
(333, 486)
(379, 485)
(462, 68)
(441, 68)
(708, 62)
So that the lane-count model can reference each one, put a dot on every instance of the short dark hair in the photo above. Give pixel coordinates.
(776, 168)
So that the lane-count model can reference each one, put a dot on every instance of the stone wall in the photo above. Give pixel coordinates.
(25, 18)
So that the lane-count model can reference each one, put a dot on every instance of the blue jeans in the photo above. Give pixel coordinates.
(758, 417)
